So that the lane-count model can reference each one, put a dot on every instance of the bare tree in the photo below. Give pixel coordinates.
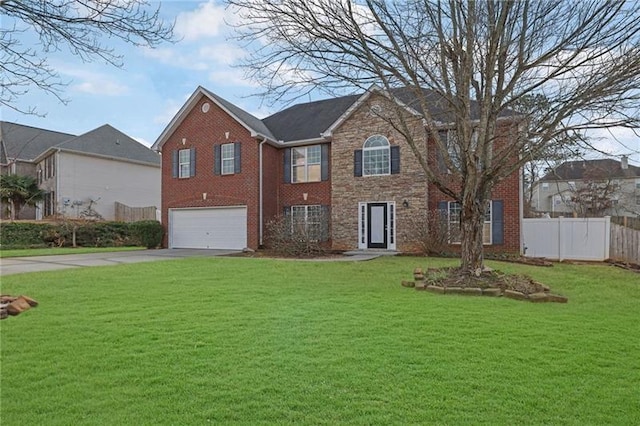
(81, 26)
(477, 59)
(563, 147)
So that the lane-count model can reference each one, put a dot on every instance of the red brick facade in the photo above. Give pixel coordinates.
(408, 191)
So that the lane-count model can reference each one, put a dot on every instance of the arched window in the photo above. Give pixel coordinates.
(376, 159)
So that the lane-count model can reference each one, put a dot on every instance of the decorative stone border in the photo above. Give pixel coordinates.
(419, 283)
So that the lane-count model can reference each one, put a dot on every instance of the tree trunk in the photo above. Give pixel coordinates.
(472, 223)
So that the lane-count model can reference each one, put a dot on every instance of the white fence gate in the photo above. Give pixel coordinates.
(567, 238)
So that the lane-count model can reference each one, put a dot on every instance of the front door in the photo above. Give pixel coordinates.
(377, 225)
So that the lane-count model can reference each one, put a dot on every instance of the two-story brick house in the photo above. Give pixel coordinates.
(226, 173)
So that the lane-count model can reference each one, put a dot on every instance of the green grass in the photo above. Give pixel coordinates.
(260, 341)
(62, 250)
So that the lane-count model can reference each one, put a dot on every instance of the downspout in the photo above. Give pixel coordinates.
(260, 206)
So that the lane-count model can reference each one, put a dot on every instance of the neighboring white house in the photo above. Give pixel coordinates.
(578, 186)
(86, 175)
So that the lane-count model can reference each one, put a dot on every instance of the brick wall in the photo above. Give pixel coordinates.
(202, 131)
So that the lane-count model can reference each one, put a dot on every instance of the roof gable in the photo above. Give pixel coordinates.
(254, 125)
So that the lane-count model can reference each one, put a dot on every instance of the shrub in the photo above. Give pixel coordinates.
(83, 232)
(302, 238)
(431, 233)
(148, 233)
(23, 234)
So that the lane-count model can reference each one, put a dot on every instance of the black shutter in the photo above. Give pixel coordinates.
(287, 166)
(324, 162)
(217, 161)
(497, 222)
(237, 153)
(442, 167)
(174, 164)
(357, 162)
(395, 159)
(326, 219)
(192, 162)
(286, 211)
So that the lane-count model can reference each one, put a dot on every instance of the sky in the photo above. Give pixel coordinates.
(141, 98)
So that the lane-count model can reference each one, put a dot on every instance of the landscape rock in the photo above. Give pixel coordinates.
(492, 292)
(454, 290)
(435, 289)
(408, 283)
(512, 294)
(472, 291)
(539, 297)
(557, 298)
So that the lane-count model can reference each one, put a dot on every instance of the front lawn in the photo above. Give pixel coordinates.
(250, 341)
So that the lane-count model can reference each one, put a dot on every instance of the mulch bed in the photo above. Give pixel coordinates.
(488, 283)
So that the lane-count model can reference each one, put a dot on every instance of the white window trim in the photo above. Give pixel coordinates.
(363, 224)
(226, 159)
(182, 163)
(305, 165)
(485, 222)
(376, 148)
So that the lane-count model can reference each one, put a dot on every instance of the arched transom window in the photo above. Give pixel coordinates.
(375, 156)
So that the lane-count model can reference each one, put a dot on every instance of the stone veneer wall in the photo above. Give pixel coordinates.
(347, 190)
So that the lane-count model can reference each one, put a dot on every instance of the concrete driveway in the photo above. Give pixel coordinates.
(18, 265)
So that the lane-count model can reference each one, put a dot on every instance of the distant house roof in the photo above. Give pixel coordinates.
(108, 141)
(30, 143)
(25, 142)
(591, 169)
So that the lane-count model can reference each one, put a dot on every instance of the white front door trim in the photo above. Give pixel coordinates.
(363, 224)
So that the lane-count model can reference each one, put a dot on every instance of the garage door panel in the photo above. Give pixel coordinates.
(215, 228)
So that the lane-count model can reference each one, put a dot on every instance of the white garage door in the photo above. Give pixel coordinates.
(214, 228)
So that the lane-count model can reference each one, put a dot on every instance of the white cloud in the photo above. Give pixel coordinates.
(616, 141)
(171, 108)
(208, 20)
(230, 77)
(222, 53)
(94, 83)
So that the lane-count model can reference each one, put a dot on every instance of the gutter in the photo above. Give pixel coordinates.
(260, 202)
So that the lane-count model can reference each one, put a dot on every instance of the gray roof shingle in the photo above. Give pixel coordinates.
(591, 169)
(249, 120)
(109, 141)
(308, 120)
(26, 142)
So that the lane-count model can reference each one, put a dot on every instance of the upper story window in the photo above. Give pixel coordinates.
(376, 157)
(306, 164)
(184, 163)
(228, 158)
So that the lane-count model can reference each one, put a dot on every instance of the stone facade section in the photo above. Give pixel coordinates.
(347, 190)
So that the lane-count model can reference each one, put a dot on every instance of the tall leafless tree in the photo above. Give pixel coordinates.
(480, 58)
(84, 27)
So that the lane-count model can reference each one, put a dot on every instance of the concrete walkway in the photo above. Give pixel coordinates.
(19, 265)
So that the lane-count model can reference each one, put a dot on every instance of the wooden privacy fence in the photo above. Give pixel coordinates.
(625, 244)
(125, 213)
